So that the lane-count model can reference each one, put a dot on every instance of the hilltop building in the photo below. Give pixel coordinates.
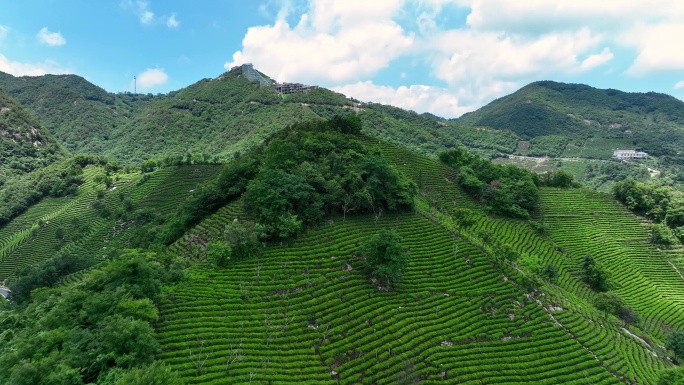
(629, 154)
(292, 88)
(251, 74)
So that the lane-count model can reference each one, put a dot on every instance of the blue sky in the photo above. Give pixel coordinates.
(441, 56)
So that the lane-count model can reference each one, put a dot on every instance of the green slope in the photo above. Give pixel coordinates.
(25, 145)
(304, 313)
(94, 222)
(649, 121)
(218, 117)
(79, 114)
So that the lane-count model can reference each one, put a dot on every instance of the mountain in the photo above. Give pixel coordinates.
(651, 121)
(221, 116)
(78, 113)
(25, 145)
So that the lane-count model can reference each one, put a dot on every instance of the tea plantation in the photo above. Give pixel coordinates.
(303, 310)
(305, 313)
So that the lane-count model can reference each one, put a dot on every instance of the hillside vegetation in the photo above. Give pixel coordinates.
(25, 145)
(473, 306)
(650, 121)
(218, 118)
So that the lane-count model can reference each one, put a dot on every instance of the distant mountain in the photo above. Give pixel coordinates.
(213, 116)
(24, 143)
(79, 114)
(218, 118)
(650, 121)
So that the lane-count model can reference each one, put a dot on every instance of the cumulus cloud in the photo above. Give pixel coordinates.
(534, 16)
(30, 69)
(597, 59)
(643, 26)
(421, 98)
(152, 77)
(502, 46)
(50, 38)
(171, 22)
(657, 46)
(679, 85)
(333, 42)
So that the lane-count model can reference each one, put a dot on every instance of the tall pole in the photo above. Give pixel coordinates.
(135, 85)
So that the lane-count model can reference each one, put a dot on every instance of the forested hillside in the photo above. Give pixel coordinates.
(219, 117)
(25, 145)
(650, 121)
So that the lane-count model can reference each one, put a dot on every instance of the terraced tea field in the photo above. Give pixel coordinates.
(629, 354)
(586, 222)
(305, 314)
(23, 242)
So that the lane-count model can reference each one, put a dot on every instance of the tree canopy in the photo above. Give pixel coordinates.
(385, 259)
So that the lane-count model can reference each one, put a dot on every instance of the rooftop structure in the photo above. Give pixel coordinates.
(629, 154)
(251, 74)
(292, 88)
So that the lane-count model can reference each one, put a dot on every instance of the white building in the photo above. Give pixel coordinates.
(629, 154)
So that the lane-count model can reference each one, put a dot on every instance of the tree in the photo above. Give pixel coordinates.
(219, 252)
(242, 240)
(594, 275)
(550, 272)
(282, 203)
(609, 303)
(154, 374)
(675, 342)
(671, 377)
(385, 257)
(662, 235)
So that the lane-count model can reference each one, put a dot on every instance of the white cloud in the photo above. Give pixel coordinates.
(421, 98)
(657, 45)
(171, 22)
(502, 46)
(333, 42)
(50, 38)
(679, 85)
(4, 30)
(152, 77)
(597, 60)
(146, 17)
(533, 16)
(30, 69)
(650, 29)
(481, 65)
(140, 8)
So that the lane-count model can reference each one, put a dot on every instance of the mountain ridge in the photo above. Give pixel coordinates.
(653, 121)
